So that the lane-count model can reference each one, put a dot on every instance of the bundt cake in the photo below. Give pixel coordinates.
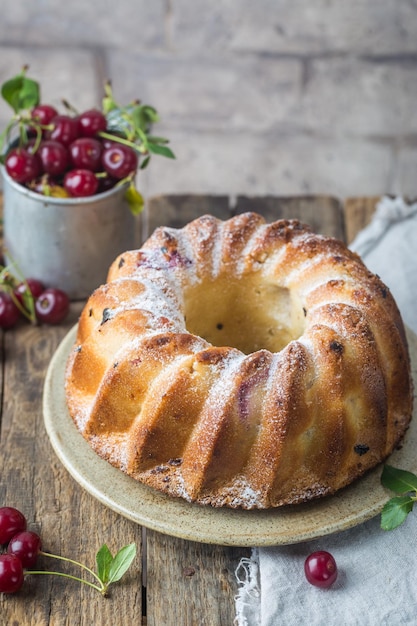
(243, 364)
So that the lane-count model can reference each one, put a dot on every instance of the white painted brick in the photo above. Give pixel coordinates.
(270, 164)
(358, 97)
(251, 94)
(125, 23)
(296, 26)
(405, 182)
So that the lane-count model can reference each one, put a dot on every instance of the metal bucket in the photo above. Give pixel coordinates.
(67, 243)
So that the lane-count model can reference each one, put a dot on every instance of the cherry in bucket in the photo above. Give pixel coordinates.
(77, 154)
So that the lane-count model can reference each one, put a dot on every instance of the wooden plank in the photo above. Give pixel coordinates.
(177, 210)
(71, 522)
(323, 213)
(358, 213)
(191, 584)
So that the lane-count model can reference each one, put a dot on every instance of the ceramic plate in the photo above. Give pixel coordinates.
(291, 524)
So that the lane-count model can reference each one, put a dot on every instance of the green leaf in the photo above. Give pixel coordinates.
(399, 481)
(162, 150)
(158, 139)
(145, 162)
(151, 113)
(121, 563)
(10, 91)
(134, 199)
(395, 511)
(20, 92)
(30, 94)
(104, 559)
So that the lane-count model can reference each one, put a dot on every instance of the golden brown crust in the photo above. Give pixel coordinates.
(241, 364)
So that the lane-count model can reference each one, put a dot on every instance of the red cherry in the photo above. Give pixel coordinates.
(320, 569)
(44, 114)
(119, 161)
(91, 122)
(52, 306)
(65, 129)
(35, 287)
(26, 546)
(9, 313)
(11, 573)
(12, 521)
(81, 183)
(106, 183)
(85, 153)
(22, 166)
(54, 157)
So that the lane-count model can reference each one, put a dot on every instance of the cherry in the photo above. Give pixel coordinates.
(26, 546)
(52, 306)
(11, 573)
(105, 183)
(9, 313)
(320, 569)
(44, 114)
(80, 183)
(22, 166)
(54, 157)
(85, 153)
(91, 122)
(34, 286)
(65, 129)
(12, 521)
(119, 161)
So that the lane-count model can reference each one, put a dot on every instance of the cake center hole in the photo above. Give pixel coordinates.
(247, 314)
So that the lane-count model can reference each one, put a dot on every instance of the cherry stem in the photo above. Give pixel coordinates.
(63, 558)
(125, 142)
(102, 589)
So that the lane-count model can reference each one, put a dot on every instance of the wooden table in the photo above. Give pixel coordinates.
(180, 583)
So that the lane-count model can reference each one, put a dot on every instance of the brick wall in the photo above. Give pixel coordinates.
(258, 97)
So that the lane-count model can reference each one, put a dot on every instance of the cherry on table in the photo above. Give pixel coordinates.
(36, 287)
(26, 545)
(11, 573)
(12, 521)
(320, 569)
(52, 306)
(9, 313)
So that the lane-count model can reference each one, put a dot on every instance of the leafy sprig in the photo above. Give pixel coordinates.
(404, 484)
(110, 569)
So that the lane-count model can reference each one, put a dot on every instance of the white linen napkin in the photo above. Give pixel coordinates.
(377, 581)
